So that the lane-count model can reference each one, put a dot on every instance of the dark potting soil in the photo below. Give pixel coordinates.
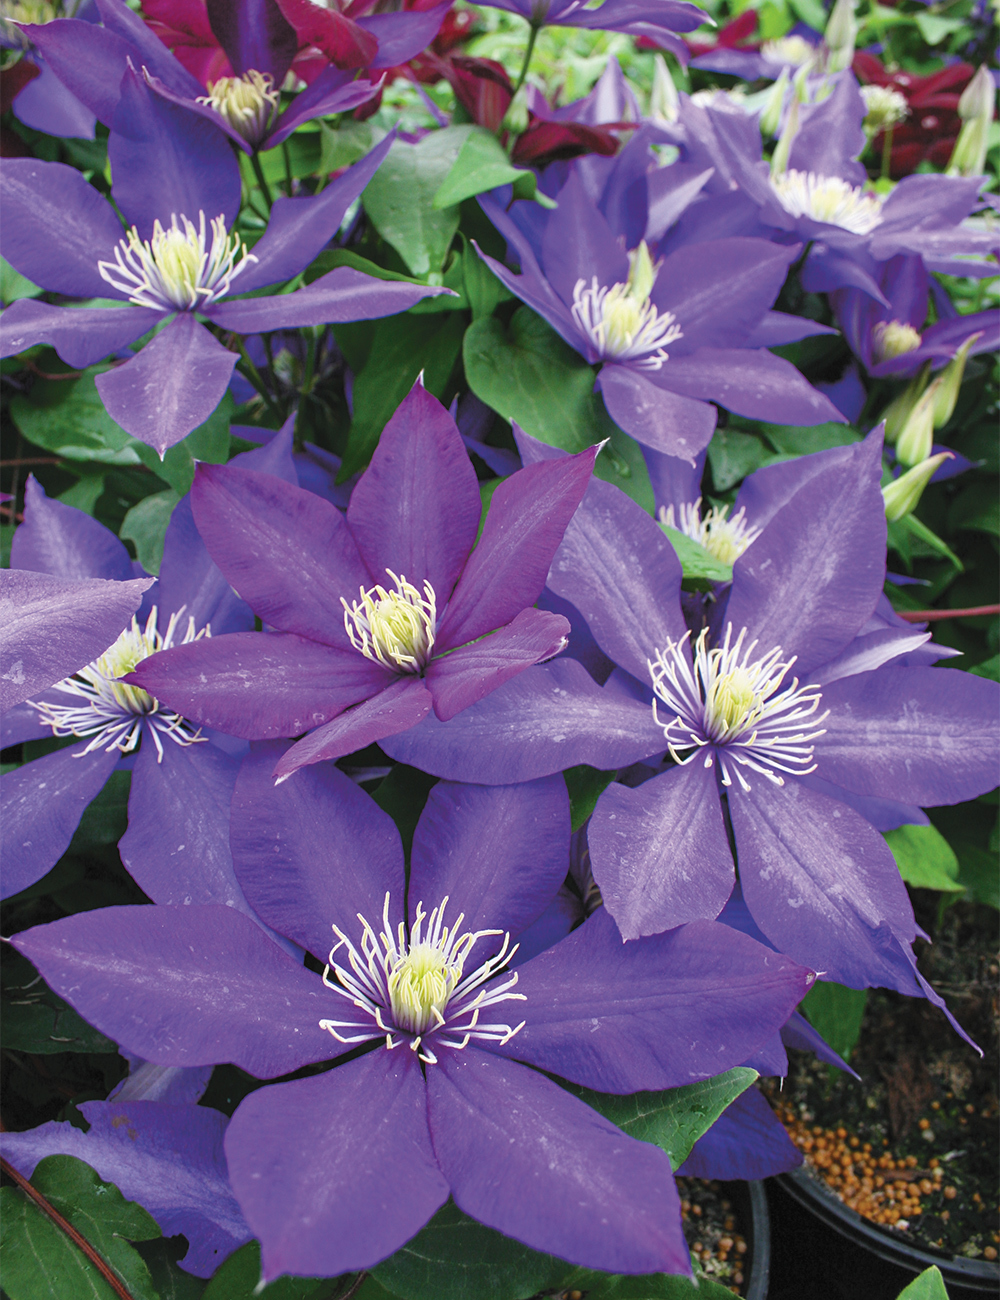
(914, 1145)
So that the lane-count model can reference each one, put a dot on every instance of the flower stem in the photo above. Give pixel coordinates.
(886, 152)
(258, 171)
(527, 58)
(251, 372)
(286, 152)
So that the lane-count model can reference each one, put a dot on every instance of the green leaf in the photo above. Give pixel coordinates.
(332, 258)
(345, 145)
(146, 526)
(934, 28)
(925, 858)
(14, 285)
(37, 1020)
(67, 418)
(482, 287)
(42, 1263)
(989, 668)
(237, 1278)
(585, 785)
(528, 374)
(402, 347)
(105, 819)
(621, 461)
(399, 199)
(733, 455)
(169, 1280)
(209, 442)
(930, 1284)
(977, 508)
(455, 1258)
(654, 1286)
(909, 536)
(836, 1012)
(800, 441)
(85, 493)
(811, 12)
(697, 562)
(675, 1119)
(482, 164)
(978, 874)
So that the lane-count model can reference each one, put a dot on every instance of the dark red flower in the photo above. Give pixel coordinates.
(930, 132)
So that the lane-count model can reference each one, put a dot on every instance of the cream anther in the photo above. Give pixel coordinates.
(894, 338)
(828, 199)
(735, 708)
(793, 51)
(413, 988)
(621, 322)
(395, 628)
(248, 103)
(724, 538)
(176, 270)
(113, 711)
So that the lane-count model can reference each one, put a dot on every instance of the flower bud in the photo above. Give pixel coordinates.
(902, 495)
(950, 381)
(897, 412)
(779, 159)
(770, 118)
(664, 101)
(917, 435)
(839, 36)
(975, 107)
(884, 108)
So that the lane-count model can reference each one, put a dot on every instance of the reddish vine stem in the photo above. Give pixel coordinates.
(936, 615)
(104, 1269)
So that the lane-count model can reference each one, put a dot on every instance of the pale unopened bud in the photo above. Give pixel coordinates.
(950, 381)
(839, 36)
(975, 107)
(664, 101)
(779, 159)
(770, 118)
(897, 412)
(642, 272)
(917, 435)
(902, 495)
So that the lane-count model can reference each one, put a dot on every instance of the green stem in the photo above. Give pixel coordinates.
(886, 152)
(253, 374)
(288, 168)
(258, 171)
(307, 377)
(527, 58)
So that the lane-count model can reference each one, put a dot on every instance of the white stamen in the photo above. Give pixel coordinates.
(411, 989)
(176, 270)
(620, 321)
(894, 338)
(735, 709)
(828, 199)
(724, 538)
(793, 51)
(248, 103)
(884, 107)
(113, 711)
(395, 628)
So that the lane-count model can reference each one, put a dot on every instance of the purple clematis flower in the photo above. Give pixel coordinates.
(658, 20)
(51, 626)
(177, 182)
(167, 1157)
(91, 64)
(800, 47)
(793, 710)
(890, 339)
(434, 621)
(177, 843)
(671, 336)
(820, 199)
(335, 1171)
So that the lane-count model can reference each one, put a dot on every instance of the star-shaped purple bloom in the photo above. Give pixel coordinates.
(382, 615)
(91, 60)
(796, 708)
(177, 843)
(658, 20)
(177, 183)
(671, 336)
(337, 1170)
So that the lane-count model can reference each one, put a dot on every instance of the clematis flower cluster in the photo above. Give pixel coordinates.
(511, 691)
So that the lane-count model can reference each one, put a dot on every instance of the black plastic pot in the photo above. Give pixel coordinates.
(751, 1200)
(963, 1277)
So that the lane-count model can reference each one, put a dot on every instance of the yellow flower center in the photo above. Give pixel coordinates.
(248, 103)
(395, 628)
(892, 338)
